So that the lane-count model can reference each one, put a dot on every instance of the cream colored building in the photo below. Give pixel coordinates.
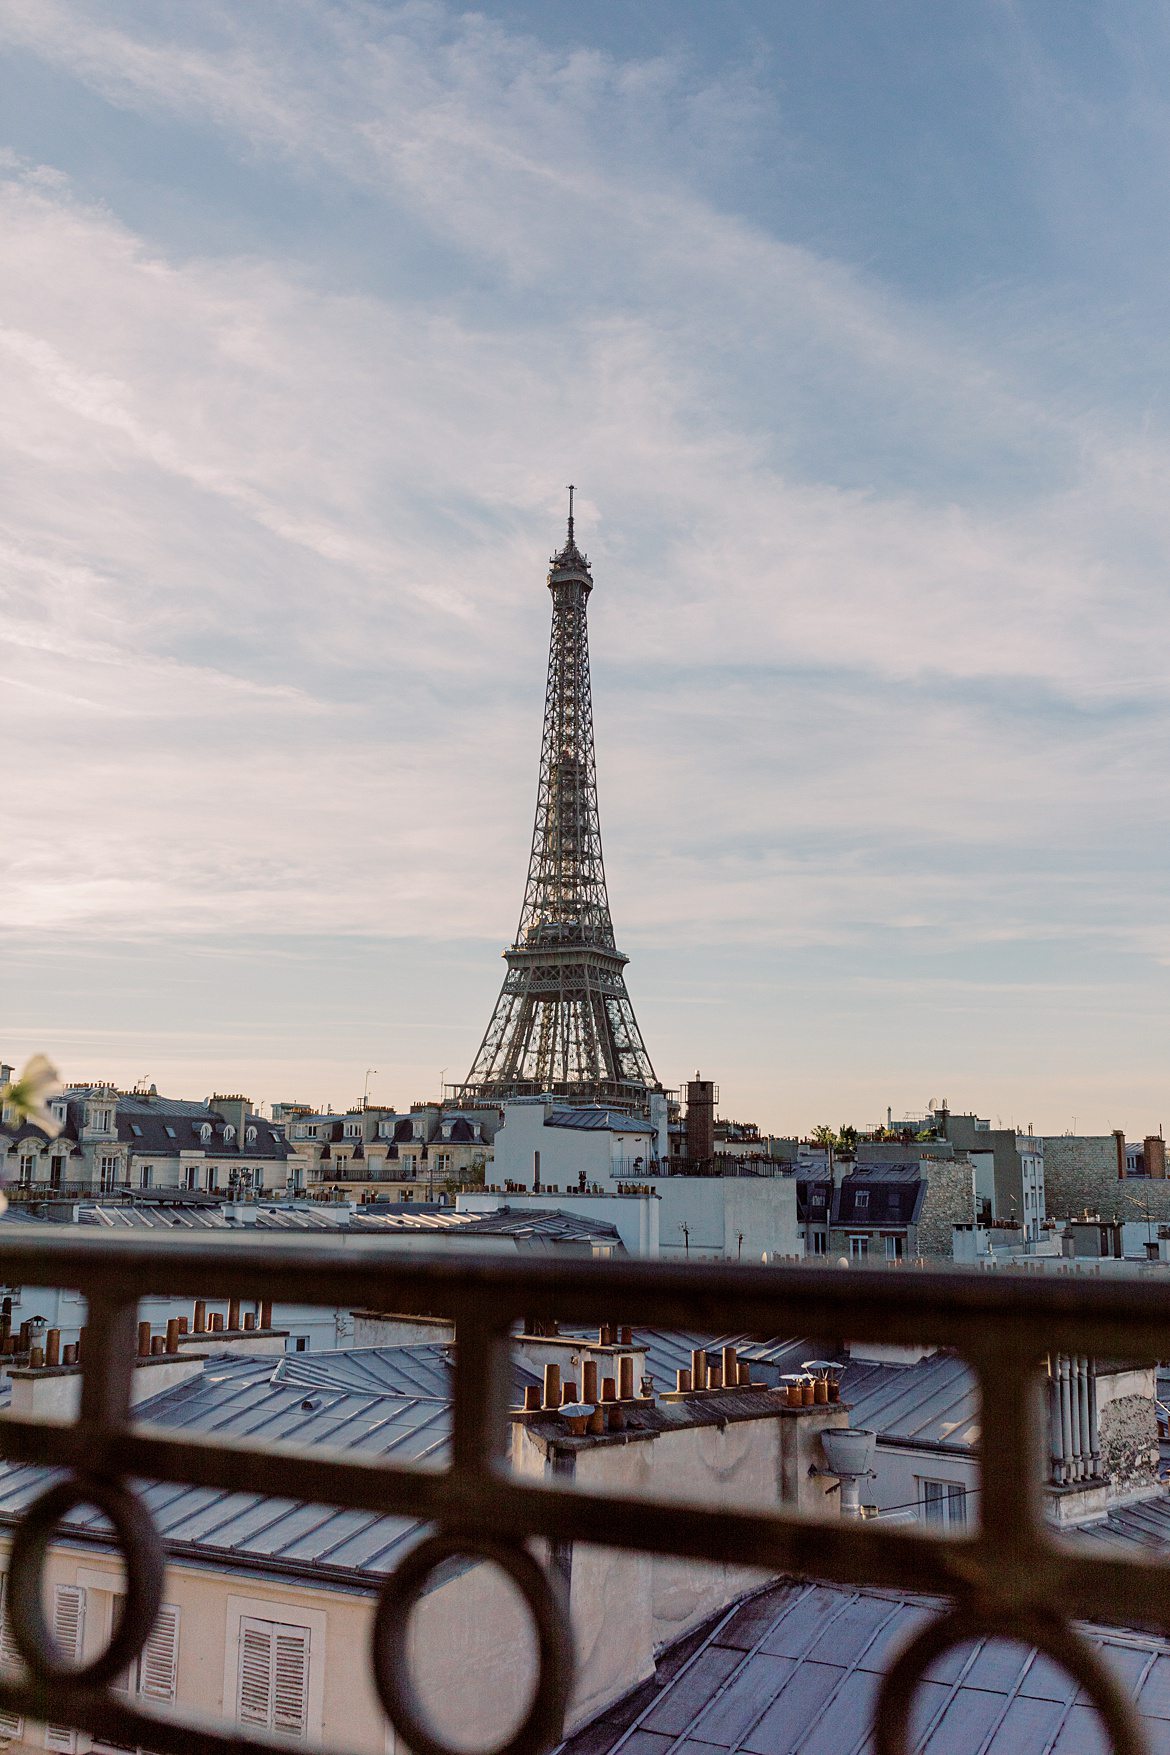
(374, 1151)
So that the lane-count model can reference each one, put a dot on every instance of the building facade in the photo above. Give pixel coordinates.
(116, 1142)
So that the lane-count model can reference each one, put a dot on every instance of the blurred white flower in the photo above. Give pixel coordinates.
(27, 1097)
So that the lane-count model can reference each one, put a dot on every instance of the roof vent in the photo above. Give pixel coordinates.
(310, 1404)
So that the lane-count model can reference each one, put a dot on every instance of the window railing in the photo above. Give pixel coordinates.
(1009, 1577)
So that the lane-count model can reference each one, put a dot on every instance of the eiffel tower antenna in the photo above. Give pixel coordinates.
(563, 1023)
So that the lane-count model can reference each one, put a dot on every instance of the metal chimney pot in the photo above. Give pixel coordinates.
(849, 1451)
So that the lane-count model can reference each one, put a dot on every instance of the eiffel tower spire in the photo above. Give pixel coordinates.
(563, 1022)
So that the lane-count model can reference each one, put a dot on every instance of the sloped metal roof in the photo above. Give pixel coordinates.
(597, 1121)
(935, 1401)
(795, 1671)
(1143, 1524)
(175, 1216)
(668, 1351)
(388, 1401)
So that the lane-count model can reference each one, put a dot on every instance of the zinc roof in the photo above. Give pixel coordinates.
(935, 1401)
(597, 1121)
(668, 1351)
(795, 1671)
(387, 1401)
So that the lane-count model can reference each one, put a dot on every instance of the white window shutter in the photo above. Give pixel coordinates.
(159, 1664)
(69, 1632)
(11, 1723)
(290, 1690)
(273, 1688)
(254, 1691)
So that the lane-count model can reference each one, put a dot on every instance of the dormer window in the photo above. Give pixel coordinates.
(205, 1133)
(229, 1133)
(251, 1136)
(168, 1130)
(861, 1199)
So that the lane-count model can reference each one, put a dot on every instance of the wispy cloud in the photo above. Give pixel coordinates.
(885, 612)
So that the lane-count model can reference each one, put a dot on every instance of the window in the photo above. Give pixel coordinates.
(408, 1164)
(192, 1176)
(154, 1673)
(251, 1136)
(895, 1248)
(205, 1133)
(858, 1248)
(212, 1178)
(56, 1171)
(273, 1676)
(11, 1723)
(108, 1171)
(943, 1503)
(69, 1634)
(28, 1165)
(861, 1200)
(101, 1120)
(148, 1176)
(136, 1130)
(352, 1129)
(229, 1133)
(820, 1243)
(300, 1131)
(169, 1130)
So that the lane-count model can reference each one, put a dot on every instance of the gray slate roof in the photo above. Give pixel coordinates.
(795, 1671)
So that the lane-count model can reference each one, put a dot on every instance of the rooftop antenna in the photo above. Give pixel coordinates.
(572, 491)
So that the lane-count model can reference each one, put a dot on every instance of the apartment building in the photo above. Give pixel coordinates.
(113, 1142)
(409, 1155)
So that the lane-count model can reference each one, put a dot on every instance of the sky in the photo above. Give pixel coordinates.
(848, 322)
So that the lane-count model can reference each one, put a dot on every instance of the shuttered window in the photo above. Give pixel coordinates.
(273, 1687)
(154, 1673)
(69, 1632)
(158, 1667)
(11, 1723)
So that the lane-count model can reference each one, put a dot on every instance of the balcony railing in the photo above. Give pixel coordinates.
(1010, 1578)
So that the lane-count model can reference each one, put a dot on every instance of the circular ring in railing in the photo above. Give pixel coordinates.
(1047, 1632)
(543, 1724)
(142, 1556)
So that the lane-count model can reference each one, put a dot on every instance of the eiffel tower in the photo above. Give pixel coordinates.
(563, 1023)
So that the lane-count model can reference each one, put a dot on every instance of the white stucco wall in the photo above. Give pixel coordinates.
(717, 1209)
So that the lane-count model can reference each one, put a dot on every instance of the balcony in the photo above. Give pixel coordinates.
(1010, 1578)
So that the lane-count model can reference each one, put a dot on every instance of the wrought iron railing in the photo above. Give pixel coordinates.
(1010, 1577)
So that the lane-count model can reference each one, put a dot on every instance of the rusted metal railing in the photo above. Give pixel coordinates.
(1010, 1577)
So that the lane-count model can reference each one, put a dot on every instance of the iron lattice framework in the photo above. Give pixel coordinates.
(563, 1022)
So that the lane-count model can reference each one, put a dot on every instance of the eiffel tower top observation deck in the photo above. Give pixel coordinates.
(563, 1023)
